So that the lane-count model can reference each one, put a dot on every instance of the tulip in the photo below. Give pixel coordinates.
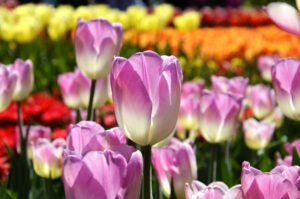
(70, 90)
(35, 133)
(218, 116)
(289, 147)
(282, 182)
(96, 43)
(215, 190)
(146, 111)
(236, 86)
(257, 134)
(287, 161)
(285, 16)
(176, 161)
(84, 85)
(99, 164)
(7, 85)
(192, 88)
(261, 100)
(99, 174)
(275, 117)
(24, 83)
(286, 82)
(265, 63)
(47, 157)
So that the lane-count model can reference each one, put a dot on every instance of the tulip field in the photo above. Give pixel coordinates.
(150, 102)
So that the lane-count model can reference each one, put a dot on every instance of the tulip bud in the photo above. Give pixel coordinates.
(290, 146)
(177, 161)
(7, 85)
(286, 82)
(236, 86)
(96, 43)
(257, 134)
(24, 83)
(84, 85)
(47, 157)
(280, 183)
(146, 94)
(265, 63)
(215, 190)
(261, 100)
(70, 91)
(218, 116)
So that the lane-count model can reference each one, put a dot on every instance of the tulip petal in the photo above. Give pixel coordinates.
(119, 31)
(234, 193)
(285, 17)
(133, 105)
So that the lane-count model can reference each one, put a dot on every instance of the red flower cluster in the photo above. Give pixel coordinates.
(40, 108)
(107, 116)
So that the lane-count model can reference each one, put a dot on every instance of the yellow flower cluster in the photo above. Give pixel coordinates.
(26, 22)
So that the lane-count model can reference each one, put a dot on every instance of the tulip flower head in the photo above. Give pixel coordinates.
(285, 16)
(215, 190)
(175, 161)
(24, 70)
(261, 100)
(265, 63)
(257, 134)
(96, 43)
(282, 182)
(146, 93)
(290, 146)
(286, 82)
(47, 157)
(218, 116)
(99, 164)
(8, 82)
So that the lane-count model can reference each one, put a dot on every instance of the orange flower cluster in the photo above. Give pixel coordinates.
(218, 43)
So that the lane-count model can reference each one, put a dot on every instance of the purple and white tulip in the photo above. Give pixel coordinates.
(289, 147)
(146, 93)
(235, 86)
(99, 164)
(218, 117)
(280, 183)
(257, 134)
(24, 84)
(8, 82)
(265, 63)
(84, 86)
(261, 100)
(47, 157)
(215, 190)
(176, 161)
(96, 43)
(286, 82)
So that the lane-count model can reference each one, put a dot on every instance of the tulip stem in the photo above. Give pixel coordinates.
(90, 108)
(78, 116)
(213, 163)
(23, 175)
(147, 181)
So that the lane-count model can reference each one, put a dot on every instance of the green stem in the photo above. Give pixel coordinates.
(78, 116)
(227, 157)
(90, 108)
(147, 189)
(213, 163)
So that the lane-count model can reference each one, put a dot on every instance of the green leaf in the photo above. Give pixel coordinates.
(296, 158)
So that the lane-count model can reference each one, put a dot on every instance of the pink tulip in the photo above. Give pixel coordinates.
(261, 100)
(96, 43)
(69, 89)
(47, 157)
(285, 16)
(218, 117)
(192, 88)
(98, 164)
(146, 94)
(215, 190)
(176, 161)
(24, 85)
(265, 63)
(236, 86)
(286, 82)
(280, 183)
(35, 133)
(7, 85)
(84, 86)
(289, 147)
(257, 134)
